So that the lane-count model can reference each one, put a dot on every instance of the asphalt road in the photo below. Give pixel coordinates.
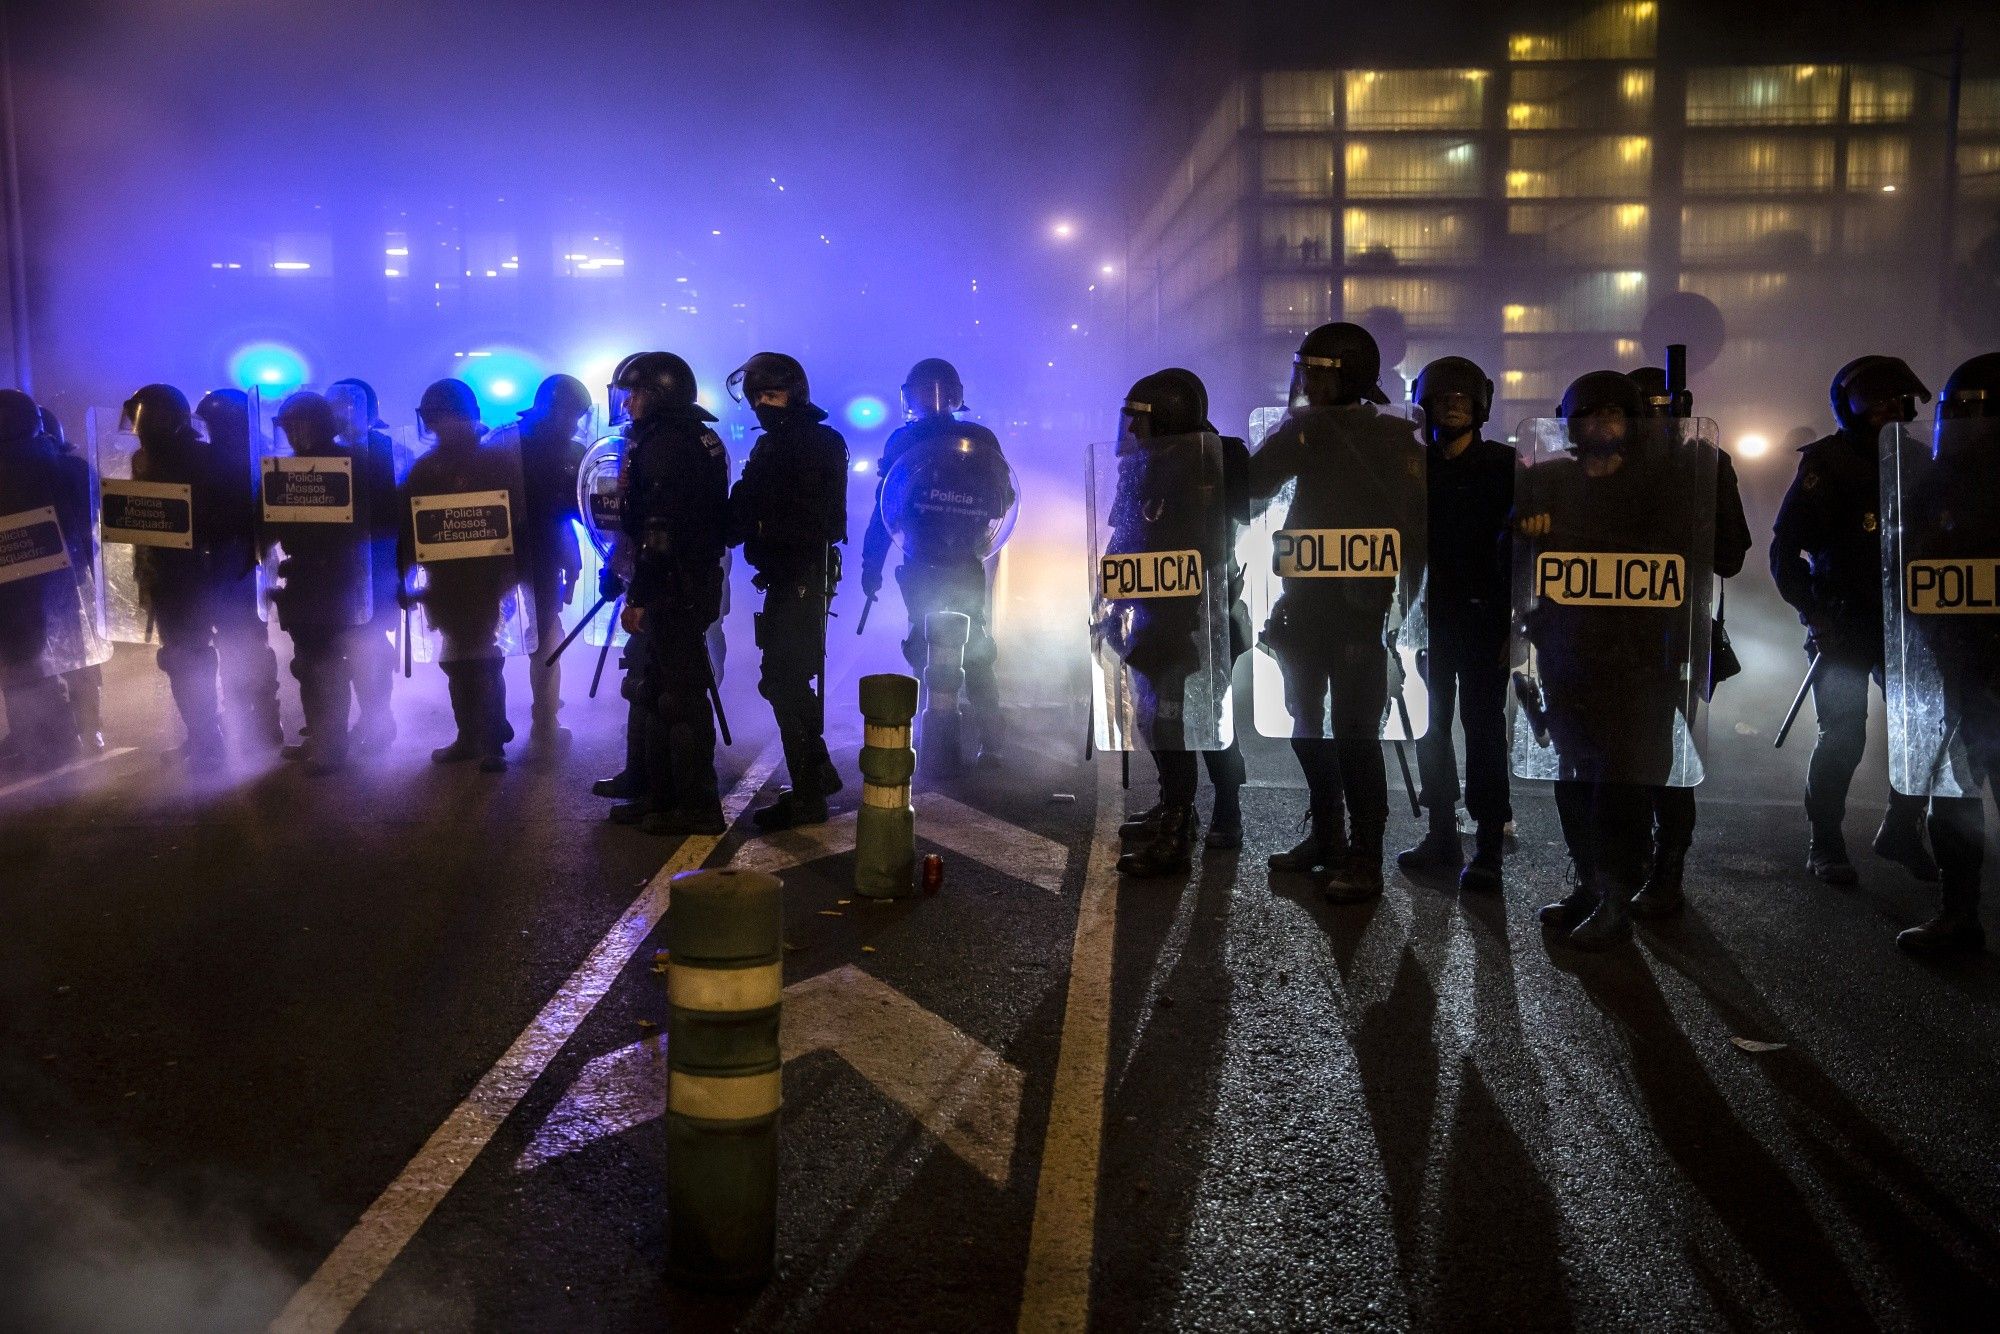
(234, 1011)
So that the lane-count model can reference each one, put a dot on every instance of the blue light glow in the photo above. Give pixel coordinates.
(505, 380)
(866, 412)
(270, 367)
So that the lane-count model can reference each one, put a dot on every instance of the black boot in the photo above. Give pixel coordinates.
(1439, 853)
(1482, 873)
(1562, 917)
(1143, 825)
(1900, 839)
(1325, 842)
(1827, 859)
(462, 685)
(1956, 928)
(1225, 826)
(1662, 896)
(696, 801)
(1609, 923)
(497, 731)
(1357, 876)
(791, 809)
(1170, 849)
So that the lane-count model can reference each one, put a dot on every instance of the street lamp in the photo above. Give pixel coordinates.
(1063, 229)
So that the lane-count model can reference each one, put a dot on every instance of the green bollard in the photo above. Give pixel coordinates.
(945, 636)
(725, 982)
(885, 828)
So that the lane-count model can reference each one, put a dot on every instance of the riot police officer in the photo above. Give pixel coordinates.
(1328, 634)
(325, 592)
(1674, 807)
(675, 521)
(789, 513)
(85, 685)
(203, 600)
(1954, 519)
(465, 600)
(1826, 557)
(1162, 837)
(372, 655)
(1471, 497)
(944, 575)
(629, 783)
(551, 451)
(41, 615)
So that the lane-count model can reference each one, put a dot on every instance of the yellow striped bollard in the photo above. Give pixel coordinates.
(885, 828)
(725, 984)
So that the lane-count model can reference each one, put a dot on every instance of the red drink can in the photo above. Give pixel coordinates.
(933, 872)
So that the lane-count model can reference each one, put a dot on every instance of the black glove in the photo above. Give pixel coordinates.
(871, 583)
(609, 585)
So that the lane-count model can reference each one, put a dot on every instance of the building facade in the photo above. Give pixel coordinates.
(1530, 209)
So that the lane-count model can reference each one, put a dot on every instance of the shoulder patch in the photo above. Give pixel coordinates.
(1809, 478)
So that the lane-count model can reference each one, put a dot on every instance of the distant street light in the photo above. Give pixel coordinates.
(1063, 230)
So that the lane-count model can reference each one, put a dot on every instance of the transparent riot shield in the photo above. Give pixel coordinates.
(112, 448)
(951, 499)
(1941, 605)
(1334, 558)
(316, 520)
(51, 588)
(600, 500)
(465, 568)
(1614, 555)
(1159, 594)
(1262, 422)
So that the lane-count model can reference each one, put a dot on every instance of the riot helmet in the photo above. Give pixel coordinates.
(308, 421)
(370, 402)
(446, 402)
(226, 415)
(52, 427)
(20, 419)
(1449, 386)
(156, 410)
(932, 389)
(1162, 404)
(659, 382)
(770, 373)
(1195, 386)
(1599, 408)
(1877, 391)
(1973, 390)
(1654, 398)
(1337, 364)
(560, 398)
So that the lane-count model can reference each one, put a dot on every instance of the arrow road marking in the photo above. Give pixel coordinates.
(959, 1090)
(951, 825)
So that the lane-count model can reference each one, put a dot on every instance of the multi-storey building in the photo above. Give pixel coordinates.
(1532, 205)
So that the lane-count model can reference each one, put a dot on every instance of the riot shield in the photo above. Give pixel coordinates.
(468, 576)
(1159, 594)
(951, 499)
(600, 499)
(1262, 422)
(51, 600)
(1334, 565)
(1941, 605)
(316, 522)
(1614, 556)
(111, 449)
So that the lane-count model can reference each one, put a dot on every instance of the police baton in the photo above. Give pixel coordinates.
(715, 695)
(1402, 757)
(1813, 671)
(570, 638)
(597, 676)
(866, 607)
(406, 643)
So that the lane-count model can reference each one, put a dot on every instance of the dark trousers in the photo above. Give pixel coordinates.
(1607, 827)
(1179, 773)
(371, 657)
(1673, 817)
(544, 677)
(1840, 704)
(671, 707)
(1468, 669)
(960, 588)
(1958, 837)
(323, 666)
(791, 632)
(1337, 693)
(210, 635)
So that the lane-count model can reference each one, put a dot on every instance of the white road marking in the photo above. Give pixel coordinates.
(365, 1253)
(951, 825)
(1055, 1292)
(73, 767)
(964, 1094)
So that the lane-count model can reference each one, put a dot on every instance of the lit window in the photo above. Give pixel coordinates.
(1415, 99)
(1764, 95)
